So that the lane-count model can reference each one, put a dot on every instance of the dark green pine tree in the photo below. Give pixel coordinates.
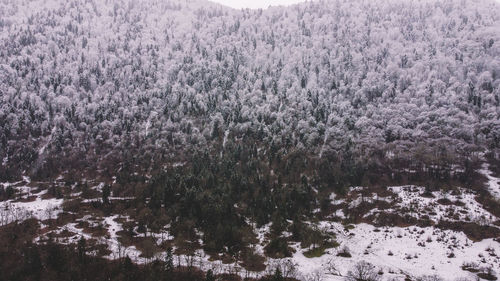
(169, 260)
(278, 276)
(106, 192)
(81, 247)
(169, 264)
(210, 276)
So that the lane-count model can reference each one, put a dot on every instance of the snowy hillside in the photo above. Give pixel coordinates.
(187, 140)
(96, 78)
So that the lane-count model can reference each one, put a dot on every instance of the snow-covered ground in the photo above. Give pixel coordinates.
(397, 252)
(410, 251)
(493, 182)
(400, 252)
(25, 206)
(462, 205)
(41, 209)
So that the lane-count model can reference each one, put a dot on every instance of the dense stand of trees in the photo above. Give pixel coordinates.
(21, 259)
(95, 84)
(218, 120)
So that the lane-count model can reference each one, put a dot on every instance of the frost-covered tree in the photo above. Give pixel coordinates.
(162, 78)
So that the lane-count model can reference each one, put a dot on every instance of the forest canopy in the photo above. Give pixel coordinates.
(97, 83)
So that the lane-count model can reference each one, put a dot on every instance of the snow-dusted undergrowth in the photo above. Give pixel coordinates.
(399, 252)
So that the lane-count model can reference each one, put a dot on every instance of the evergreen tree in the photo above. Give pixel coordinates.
(210, 276)
(81, 247)
(278, 276)
(106, 192)
(169, 261)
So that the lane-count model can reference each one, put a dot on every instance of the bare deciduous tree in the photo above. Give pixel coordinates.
(430, 278)
(363, 271)
(316, 275)
(331, 268)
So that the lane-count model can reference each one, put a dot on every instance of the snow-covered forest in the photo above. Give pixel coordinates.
(96, 80)
(292, 142)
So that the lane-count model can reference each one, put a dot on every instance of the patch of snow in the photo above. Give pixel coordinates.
(493, 182)
(19, 211)
(325, 139)
(412, 253)
(226, 134)
(178, 164)
(41, 151)
(356, 202)
(111, 198)
(335, 201)
(98, 187)
(463, 205)
(122, 198)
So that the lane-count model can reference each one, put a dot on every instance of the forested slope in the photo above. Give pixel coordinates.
(97, 84)
(249, 140)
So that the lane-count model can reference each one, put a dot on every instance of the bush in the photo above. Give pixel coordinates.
(315, 252)
(344, 252)
(278, 248)
(363, 271)
(487, 274)
(470, 266)
(71, 206)
(430, 278)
